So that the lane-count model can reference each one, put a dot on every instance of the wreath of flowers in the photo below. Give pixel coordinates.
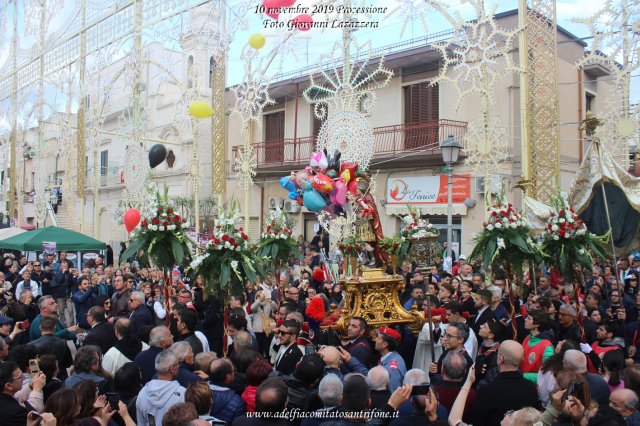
(276, 241)
(505, 239)
(391, 245)
(568, 242)
(415, 228)
(227, 259)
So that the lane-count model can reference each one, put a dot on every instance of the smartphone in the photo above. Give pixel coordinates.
(113, 399)
(25, 325)
(34, 367)
(151, 419)
(574, 388)
(420, 390)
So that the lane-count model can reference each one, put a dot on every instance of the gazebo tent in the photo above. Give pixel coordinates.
(65, 240)
(10, 232)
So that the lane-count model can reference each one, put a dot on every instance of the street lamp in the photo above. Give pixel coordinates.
(450, 149)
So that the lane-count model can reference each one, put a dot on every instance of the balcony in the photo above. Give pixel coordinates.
(398, 141)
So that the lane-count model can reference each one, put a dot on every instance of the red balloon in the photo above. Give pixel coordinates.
(131, 219)
(302, 22)
(287, 3)
(352, 187)
(272, 4)
(322, 183)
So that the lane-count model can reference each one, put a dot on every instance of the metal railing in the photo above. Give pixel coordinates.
(390, 141)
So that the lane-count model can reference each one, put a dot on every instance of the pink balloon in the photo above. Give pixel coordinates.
(302, 22)
(287, 3)
(272, 4)
(131, 219)
(340, 193)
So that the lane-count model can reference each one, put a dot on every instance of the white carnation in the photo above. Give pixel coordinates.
(234, 264)
(498, 225)
(226, 244)
(561, 220)
(161, 228)
(554, 228)
(501, 243)
(556, 238)
(489, 227)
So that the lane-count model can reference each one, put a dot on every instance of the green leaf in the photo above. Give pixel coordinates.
(134, 246)
(490, 251)
(248, 269)
(274, 252)
(518, 241)
(178, 250)
(225, 273)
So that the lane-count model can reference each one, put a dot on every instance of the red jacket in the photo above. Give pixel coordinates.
(249, 398)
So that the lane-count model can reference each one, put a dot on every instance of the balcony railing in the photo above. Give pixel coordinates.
(390, 141)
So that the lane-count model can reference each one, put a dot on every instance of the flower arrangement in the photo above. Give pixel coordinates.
(415, 228)
(567, 240)
(391, 245)
(161, 233)
(505, 239)
(276, 241)
(350, 247)
(227, 260)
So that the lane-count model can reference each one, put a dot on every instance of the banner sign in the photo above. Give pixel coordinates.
(424, 190)
(49, 247)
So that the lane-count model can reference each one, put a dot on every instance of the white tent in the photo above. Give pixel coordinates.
(10, 232)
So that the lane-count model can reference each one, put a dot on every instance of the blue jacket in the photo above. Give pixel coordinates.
(83, 301)
(141, 318)
(227, 405)
(61, 284)
(394, 364)
(146, 360)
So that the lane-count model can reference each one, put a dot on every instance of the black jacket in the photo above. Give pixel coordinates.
(102, 335)
(192, 339)
(50, 344)
(13, 414)
(509, 391)
(485, 316)
(287, 363)
(301, 396)
(361, 349)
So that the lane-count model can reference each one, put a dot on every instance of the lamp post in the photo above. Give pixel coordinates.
(450, 149)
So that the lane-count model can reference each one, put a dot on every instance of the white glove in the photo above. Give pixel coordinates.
(584, 347)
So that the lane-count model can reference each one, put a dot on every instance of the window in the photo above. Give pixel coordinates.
(421, 114)
(274, 137)
(190, 72)
(104, 162)
(212, 67)
(589, 102)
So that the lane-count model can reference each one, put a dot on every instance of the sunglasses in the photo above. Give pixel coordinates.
(286, 332)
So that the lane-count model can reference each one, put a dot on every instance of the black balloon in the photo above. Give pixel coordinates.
(157, 154)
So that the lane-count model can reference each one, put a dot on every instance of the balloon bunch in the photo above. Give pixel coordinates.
(325, 183)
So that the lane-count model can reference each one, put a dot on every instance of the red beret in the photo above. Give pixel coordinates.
(318, 275)
(390, 332)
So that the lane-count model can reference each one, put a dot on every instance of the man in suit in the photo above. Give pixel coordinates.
(102, 333)
(141, 318)
(47, 343)
(160, 338)
(483, 305)
(289, 353)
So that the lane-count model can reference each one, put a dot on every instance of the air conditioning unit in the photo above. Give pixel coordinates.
(275, 203)
(291, 206)
(496, 185)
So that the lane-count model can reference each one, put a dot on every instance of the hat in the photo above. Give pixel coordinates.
(5, 320)
(390, 332)
(462, 257)
(636, 258)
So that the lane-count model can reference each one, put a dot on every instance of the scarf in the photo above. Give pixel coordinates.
(129, 347)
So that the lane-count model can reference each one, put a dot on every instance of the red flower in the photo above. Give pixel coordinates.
(165, 224)
(176, 219)
(232, 240)
(155, 221)
(244, 236)
(160, 209)
(494, 214)
(563, 232)
(268, 228)
(144, 223)
(484, 224)
(184, 220)
(217, 240)
(225, 237)
(358, 247)
(169, 211)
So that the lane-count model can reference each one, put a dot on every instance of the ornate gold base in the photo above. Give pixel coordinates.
(374, 297)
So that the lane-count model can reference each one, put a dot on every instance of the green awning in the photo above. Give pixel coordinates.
(64, 239)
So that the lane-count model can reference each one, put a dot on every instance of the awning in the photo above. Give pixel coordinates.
(428, 210)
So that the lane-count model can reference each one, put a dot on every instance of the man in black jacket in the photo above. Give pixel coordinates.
(303, 384)
(102, 333)
(187, 321)
(358, 345)
(47, 343)
(288, 353)
(509, 391)
(11, 378)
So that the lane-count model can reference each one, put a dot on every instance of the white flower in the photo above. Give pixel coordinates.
(186, 224)
(155, 228)
(554, 228)
(505, 220)
(161, 228)
(501, 243)
(238, 248)
(513, 225)
(581, 251)
(562, 220)
(149, 226)
(556, 238)
(219, 247)
(226, 244)
(234, 264)
(489, 227)
(567, 235)
(498, 225)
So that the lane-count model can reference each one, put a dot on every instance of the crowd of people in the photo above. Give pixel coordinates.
(105, 344)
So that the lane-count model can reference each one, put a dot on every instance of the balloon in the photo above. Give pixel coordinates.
(157, 154)
(272, 4)
(131, 219)
(322, 183)
(302, 22)
(293, 195)
(287, 183)
(300, 176)
(200, 109)
(340, 192)
(256, 41)
(353, 187)
(314, 201)
(345, 175)
(305, 185)
(287, 3)
(299, 200)
(332, 174)
(334, 162)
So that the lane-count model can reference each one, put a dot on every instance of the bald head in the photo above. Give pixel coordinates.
(331, 356)
(512, 353)
(575, 360)
(624, 401)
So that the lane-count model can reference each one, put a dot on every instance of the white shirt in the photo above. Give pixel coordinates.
(35, 288)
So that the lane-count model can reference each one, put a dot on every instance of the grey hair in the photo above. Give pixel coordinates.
(495, 291)
(330, 390)
(575, 360)
(181, 349)
(569, 310)
(164, 361)
(138, 295)
(242, 340)
(415, 376)
(157, 334)
(463, 331)
(378, 378)
(454, 365)
(42, 300)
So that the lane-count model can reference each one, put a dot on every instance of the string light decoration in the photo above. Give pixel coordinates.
(477, 55)
(245, 165)
(341, 130)
(615, 29)
(487, 148)
(412, 11)
(252, 95)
